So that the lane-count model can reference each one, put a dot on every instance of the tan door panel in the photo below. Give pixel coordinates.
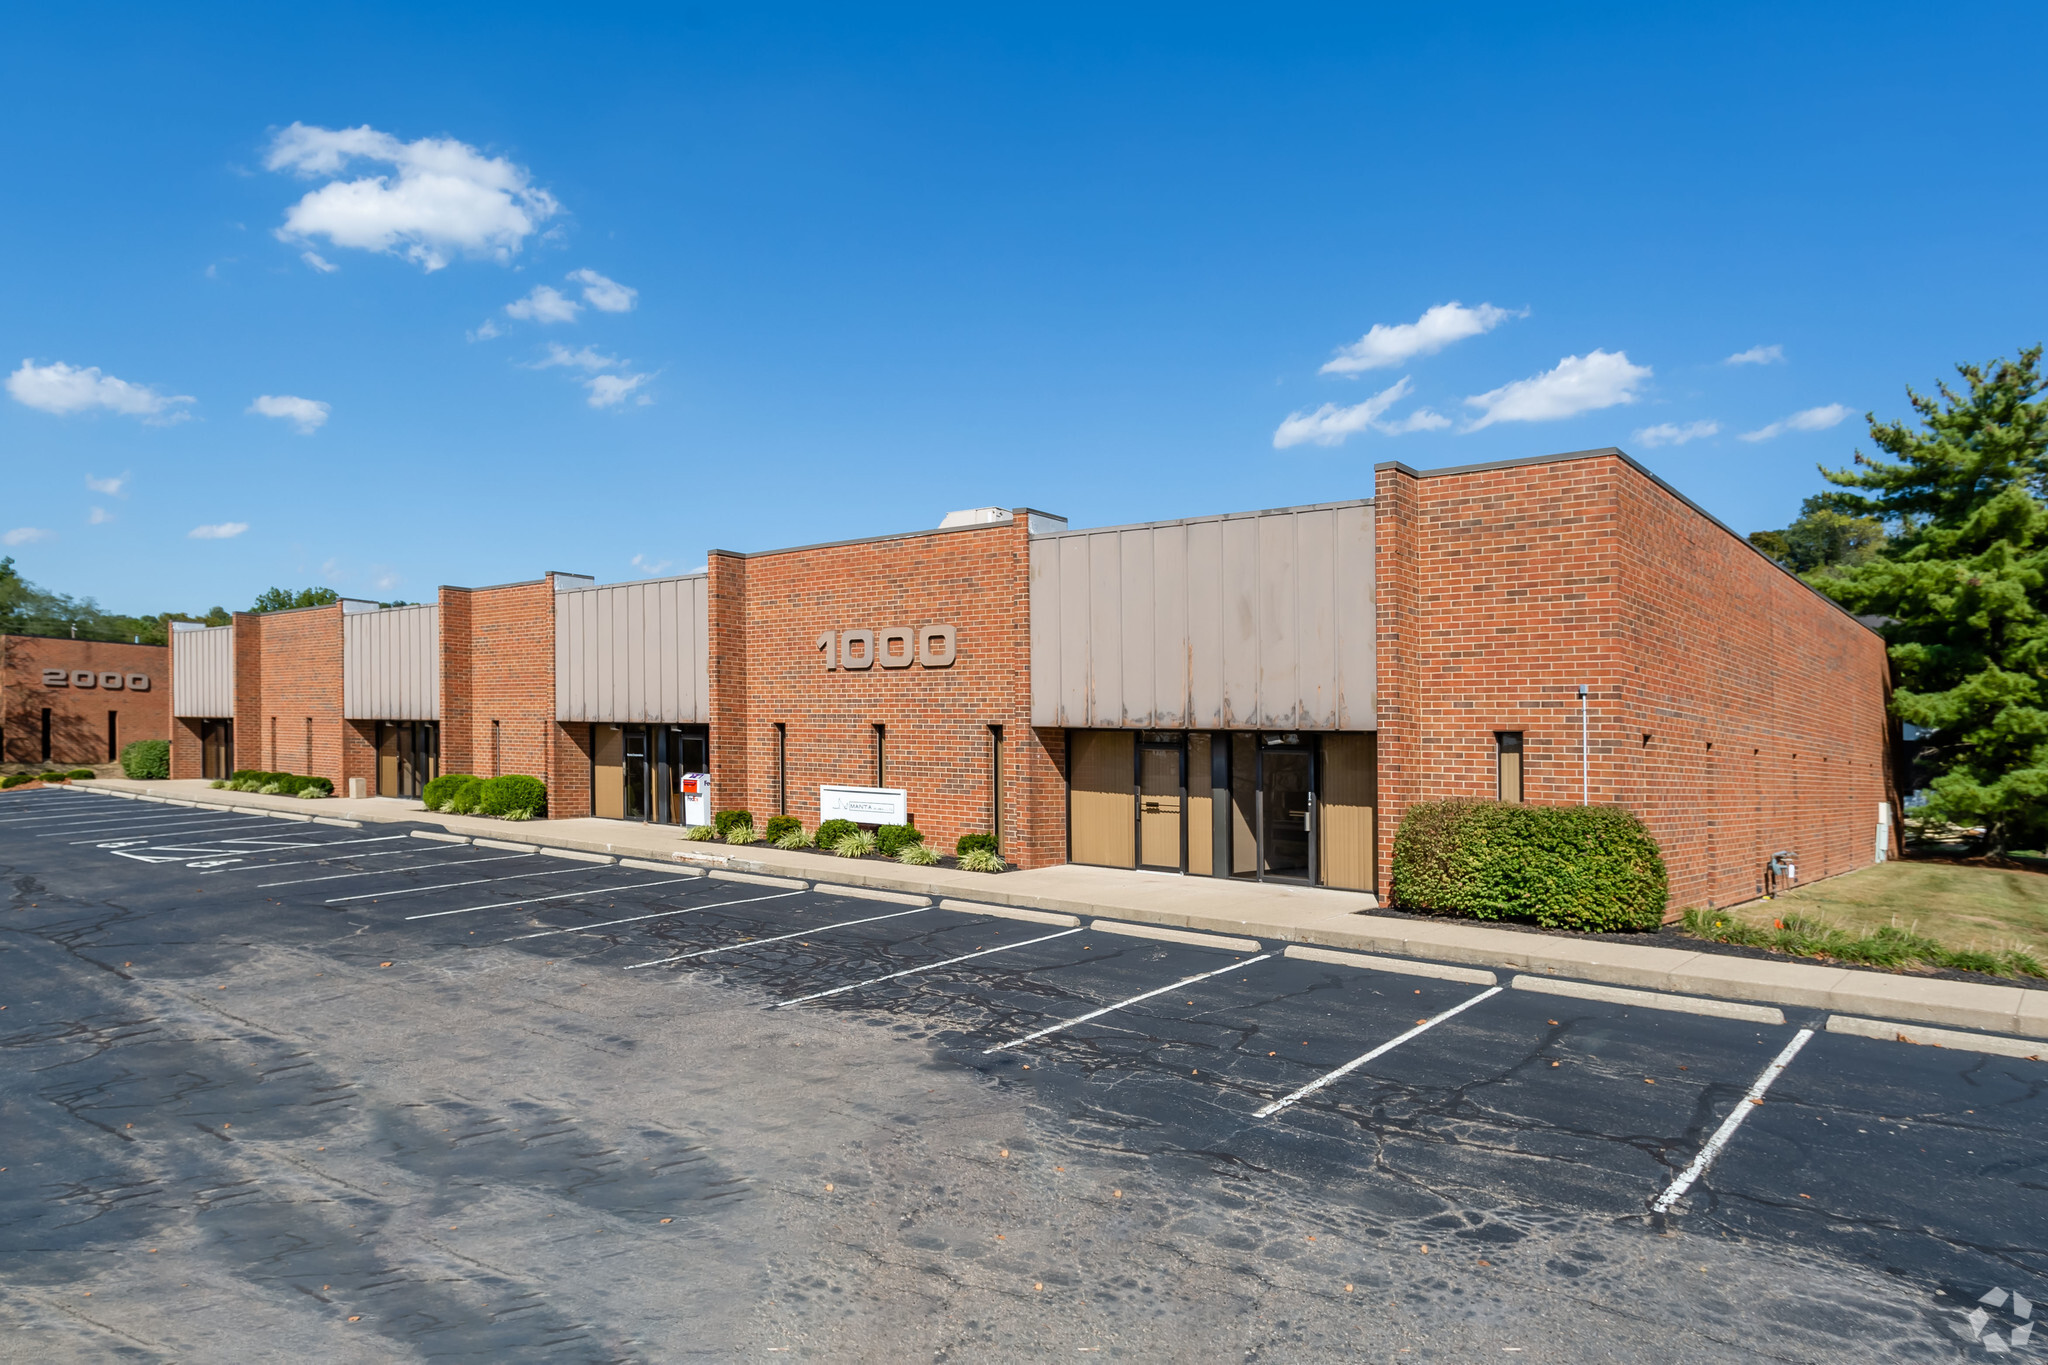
(1350, 781)
(1159, 807)
(608, 781)
(1101, 803)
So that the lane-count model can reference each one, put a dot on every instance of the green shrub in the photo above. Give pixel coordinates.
(436, 793)
(981, 860)
(147, 759)
(523, 813)
(967, 843)
(467, 796)
(793, 839)
(1591, 868)
(218, 784)
(858, 844)
(917, 855)
(1890, 946)
(81, 774)
(513, 791)
(726, 819)
(271, 789)
(52, 776)
(832, 831)
(699, 833)
(742, 834)
(779, 825)
(13, 780)
(891, 840)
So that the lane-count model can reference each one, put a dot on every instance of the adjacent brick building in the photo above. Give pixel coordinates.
(1255, 694)
(74, 702)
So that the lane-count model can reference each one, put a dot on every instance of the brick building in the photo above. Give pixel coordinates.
(74, 702)
(1257, 694)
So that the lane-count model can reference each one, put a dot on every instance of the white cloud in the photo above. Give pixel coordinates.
(386, 581)
(1386, 346)
(111, 486)
(318, 262)
(99, 516)
(65, 389)
(445, 199)
(1578, 384)
(308, 413)
(485, 331)
(606, 296)
(545, 304)
(226, 530)
(1671, 434)
(583, 359)
(1331, 425)
(650, 567)
(610, 390)
(26, 535)
(1810, 419)
(1758, 355)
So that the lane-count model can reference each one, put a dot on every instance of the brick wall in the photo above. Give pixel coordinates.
(288, 697)
(767, 611)
(78, 715)
(1500, 590)
(498, 665)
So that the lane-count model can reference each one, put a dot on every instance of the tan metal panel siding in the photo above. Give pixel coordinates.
(1279, 640)
(1045, 632)
(1357, 622)
(1205, 624)
(1170, 627)
(203, 673)
(1105, 628)
(1315, 615)
(633, 653)
(1077, 676)
(1240, 623)
(391, 664)
(1134, 578)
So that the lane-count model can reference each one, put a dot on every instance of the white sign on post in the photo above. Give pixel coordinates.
(865, 805)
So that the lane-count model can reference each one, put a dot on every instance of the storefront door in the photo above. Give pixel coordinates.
(1161, 779)
(216, 748)
(635, 795)
(408, 756)
(1286, 808)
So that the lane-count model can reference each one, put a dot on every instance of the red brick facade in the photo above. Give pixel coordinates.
(1732, 708)
(79, 709)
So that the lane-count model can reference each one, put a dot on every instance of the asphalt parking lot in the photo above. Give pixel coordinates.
(275, 1086)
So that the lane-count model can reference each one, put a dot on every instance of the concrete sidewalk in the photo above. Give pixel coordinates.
(1288, 914)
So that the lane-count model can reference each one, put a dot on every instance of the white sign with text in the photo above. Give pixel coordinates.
(865, 805)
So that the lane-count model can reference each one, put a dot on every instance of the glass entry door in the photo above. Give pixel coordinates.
(216, 748)
(1162, 778)
(636, 773)
(1287, 784)
(682, 750)
(408, 756)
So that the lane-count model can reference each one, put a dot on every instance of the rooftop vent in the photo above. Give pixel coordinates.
(975, 516)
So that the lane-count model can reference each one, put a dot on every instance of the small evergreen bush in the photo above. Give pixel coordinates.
(81, 774)
(779, 825)
(967, 843)
(500, 796)
(981, 860)
(858, 844)
(726, 819)
(1590, 868)
(436, 793)
(466, 797)
(832, 831)
(13, 780)
(147, 759)
(891, 840)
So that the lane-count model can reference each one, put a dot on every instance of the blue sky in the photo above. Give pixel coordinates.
(825, 272)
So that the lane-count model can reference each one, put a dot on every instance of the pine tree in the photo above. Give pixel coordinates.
(1964, 583)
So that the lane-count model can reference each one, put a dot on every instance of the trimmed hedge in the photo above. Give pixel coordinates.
(466, 796)
(147, 759)
(80, 774)
(779, 825)
(436, 793)
(891, 840)
(514, 792)
(832, 831)
(969, 842)
(723, 821)
(1591, 868)
(287, 784)
(13, 780)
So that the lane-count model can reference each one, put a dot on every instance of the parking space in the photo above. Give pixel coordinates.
(1909, 1158)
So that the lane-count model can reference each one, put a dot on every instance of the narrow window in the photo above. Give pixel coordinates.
(273, 739)
(46, 734)
(494, 749)
(113, 735)
(307, 771)
(881, 754)
(1508, 757)
(995, 773)
(781, 768)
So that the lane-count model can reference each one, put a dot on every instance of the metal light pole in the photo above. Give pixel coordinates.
(1585, 753)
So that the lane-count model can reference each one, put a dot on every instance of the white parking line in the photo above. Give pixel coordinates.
(1121, 1004)
(443, 886)
(1749, 1101)
(659, 914)
(380, 871)
(186, 817)
(95, 817)
(108, 835)
(757, 942)
(563, 896)
(929, 966)
(1356, 1062)
(303, 862)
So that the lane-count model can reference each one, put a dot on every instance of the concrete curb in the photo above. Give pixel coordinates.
(1968, 1005)
(1937, 1037)
(1471, 976)
(1652, 1000)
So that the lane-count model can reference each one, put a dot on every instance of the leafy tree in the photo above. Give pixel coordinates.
(284, 599)
(1965, 585)
(1824, 537)
(26, 609)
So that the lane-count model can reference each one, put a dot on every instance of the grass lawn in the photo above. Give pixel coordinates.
(1968, 911)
